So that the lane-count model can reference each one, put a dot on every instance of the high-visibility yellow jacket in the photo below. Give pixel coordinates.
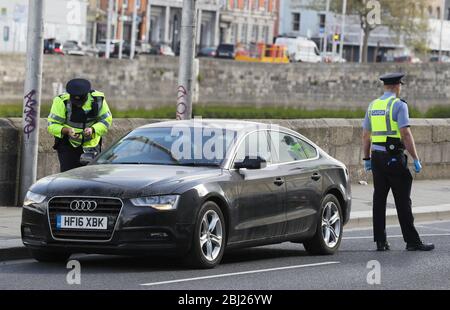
(94, 113)
(381, 121)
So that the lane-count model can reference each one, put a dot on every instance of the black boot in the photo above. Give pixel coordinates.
(383, 246)
(420, 247)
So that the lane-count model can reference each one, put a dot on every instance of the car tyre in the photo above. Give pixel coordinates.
(45, 256)
(209, 237)
(328, 236)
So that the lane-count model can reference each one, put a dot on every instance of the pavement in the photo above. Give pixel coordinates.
(430, 203)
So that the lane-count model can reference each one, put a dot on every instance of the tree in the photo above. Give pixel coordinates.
(406, 18)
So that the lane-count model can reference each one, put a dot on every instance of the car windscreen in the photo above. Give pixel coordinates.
(184, 146)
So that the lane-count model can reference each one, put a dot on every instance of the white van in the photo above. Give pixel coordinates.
(300, 49)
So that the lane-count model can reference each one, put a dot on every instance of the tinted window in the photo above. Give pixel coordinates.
(290, 148)
(171, 146)
(255, 144)
(226, 47)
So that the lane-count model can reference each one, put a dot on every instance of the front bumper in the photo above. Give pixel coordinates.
(139, 230)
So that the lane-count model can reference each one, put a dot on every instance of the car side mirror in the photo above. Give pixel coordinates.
(86, 158)
(251, 163)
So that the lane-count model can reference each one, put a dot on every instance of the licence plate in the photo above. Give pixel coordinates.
(81, 222)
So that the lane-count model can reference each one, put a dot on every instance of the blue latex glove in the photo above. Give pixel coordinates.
(417, 165)
(368, 165)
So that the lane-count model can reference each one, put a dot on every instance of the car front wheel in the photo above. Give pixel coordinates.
(209, 237)
(328, 235)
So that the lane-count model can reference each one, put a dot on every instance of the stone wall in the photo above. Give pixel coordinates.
(339, 137)
(151, 81)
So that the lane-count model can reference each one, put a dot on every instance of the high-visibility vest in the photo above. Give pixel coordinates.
(95, 113)
(382, 124)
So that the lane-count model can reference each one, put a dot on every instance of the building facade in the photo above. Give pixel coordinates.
(159, 21)
(248, 21)
(63, 20)
(303, 18)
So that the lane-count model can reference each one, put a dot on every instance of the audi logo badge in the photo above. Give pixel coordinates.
(83, 205)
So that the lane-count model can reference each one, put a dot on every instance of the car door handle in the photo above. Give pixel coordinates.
(316, 177)
(278, 181)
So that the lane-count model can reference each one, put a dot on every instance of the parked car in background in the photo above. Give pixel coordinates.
(101, 46)
(162, 49)
(330, 57)
(73, 48)
(226, 51)
(443, 59)
(207, 52)
(407, 59)
(300, 49)
(51, 46)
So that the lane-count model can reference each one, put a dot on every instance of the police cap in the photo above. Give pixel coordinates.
(78, 87)
(392, 78)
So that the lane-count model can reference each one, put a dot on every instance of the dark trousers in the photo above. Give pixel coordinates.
(395, 176)
(69, 157)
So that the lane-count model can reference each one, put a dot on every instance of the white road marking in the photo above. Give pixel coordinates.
(396, 236)
(238, 273)
(433, 228)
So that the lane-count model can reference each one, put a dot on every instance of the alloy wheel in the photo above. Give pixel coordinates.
(211, 235)
(331, 224)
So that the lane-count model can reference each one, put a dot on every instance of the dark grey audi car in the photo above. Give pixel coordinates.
(192, 188)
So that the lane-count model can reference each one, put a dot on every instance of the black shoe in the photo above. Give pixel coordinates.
(383, 246)
(420, 247)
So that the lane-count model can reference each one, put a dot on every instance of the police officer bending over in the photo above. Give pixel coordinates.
(386, 134)
(78, 119)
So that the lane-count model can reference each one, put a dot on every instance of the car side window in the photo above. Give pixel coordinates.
(309, 150)
(290, 148)
(255, 144)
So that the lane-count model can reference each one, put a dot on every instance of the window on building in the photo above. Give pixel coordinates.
(138, 3)
(266, 34)
(322, 20)
(255, 4)
(448, 14)
(246, 4)
(235, 4)
(295, 21)
(3, 12)
(430, 11)
(234, 33)
(438, 12)
(255, 33)
(244, 32)
(6, 33)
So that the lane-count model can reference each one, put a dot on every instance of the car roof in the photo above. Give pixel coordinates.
(237, 125)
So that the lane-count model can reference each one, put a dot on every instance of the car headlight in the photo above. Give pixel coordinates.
(34, 202)
(166, 202)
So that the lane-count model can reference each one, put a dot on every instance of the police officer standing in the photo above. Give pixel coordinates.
(386, 134)
(78, 119)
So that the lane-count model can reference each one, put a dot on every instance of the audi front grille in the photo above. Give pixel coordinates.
(105, 207)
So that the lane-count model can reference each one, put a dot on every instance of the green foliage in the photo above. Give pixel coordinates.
(438, 112)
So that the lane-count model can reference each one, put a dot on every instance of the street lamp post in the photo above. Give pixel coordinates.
(325, 39)
(186, 69)
(442, 30)
(133, 30)
(32, 96)
(344, 13)
(108, 29)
